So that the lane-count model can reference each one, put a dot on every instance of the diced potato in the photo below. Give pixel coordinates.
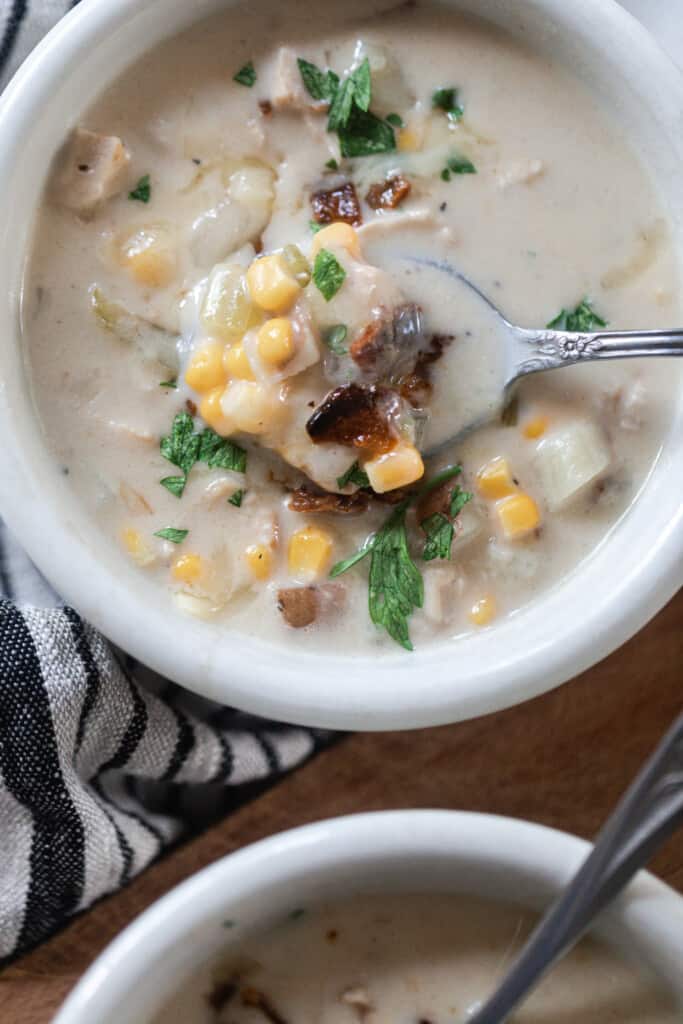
(228, 310)
(483, 610)
(287, 89)
(137, 547)
(251, 407)
(211, 411)
(149, 254)
(399, 467)
(252, 185)
(205, 370)
(443, 587)
(390, 90)
(337, 234)
(570, 460)
(518, 515)
(309, 552)
(260, 561)
(494, 480)
(236, 363)
(271, 286)
(93, 169)
(275, 343)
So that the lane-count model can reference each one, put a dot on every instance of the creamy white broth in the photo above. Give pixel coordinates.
(408, 959)
(559, 209)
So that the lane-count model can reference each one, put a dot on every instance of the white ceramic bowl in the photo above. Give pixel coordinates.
(397, 851)
(593, 611)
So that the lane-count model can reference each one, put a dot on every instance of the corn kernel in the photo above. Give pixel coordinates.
(483, 610)
(260, 560)
(270, 286)
(409, 139)
(494, 480)
(187, 568)
(205, 370)
(275, 342)
(236, 363)
(136, 546)
(228, 310)
(309, 551)
(396, 468)
(211, 412)
(518, 515)
(149, 257)
(535, 427)
(251, 407)
(338, 233)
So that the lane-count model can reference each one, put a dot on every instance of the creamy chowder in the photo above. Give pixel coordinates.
(390, 960)
(240, 365)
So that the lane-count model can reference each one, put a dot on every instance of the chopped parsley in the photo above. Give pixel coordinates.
(395, 587)
(457, 165)
(170, 533)
(168, 383)
(360, 132)
(246, 75)
(332, 165)
(447, 100)
(142, 191)
(581, 319)
(353, 475)
(315, 227)
(439, 529)
(334, 337)
(395, 119)
(183, 447)
(236, 499)
(328, 274)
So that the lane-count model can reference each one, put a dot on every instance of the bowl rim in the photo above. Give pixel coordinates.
(283, 682)
(644, 907)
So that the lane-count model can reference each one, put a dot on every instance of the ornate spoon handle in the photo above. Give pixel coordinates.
(648, 813)
(558, 348)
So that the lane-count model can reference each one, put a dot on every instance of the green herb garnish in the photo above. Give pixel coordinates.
(168, 383)
(170, 533)
(395, 586)
(439, 528)
(457, 165)
(332, 165)
(236, 499)
(447, 100)
(360, 132)
(582, 319)
(334, 337)
(246, 75)
(395, 119)
(183, 448)
(328, 274)
(315, 227)
(353, 475)
(142, 191)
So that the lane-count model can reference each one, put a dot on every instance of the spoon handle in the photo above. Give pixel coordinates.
(650, 810)
(559, 348)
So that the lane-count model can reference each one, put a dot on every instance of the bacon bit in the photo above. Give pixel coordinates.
(438, 500)
(191, 407)
(367, 348)
(416, 387)
(259, 1001)
(299, 605)
(306, 501)
(266, 107)
(339, 203)
(392, 497)
(386, 195)
(221, 994)
(357, 416)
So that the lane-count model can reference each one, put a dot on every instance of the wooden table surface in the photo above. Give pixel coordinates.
(562, 759)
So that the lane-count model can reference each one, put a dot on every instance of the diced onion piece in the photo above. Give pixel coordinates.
(570, 460)
(228, 310)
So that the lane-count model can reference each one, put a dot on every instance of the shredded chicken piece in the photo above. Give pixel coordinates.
(94, 169)
(339, 203)
(288, 91)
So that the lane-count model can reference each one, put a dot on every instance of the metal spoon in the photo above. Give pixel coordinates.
(649, 812)
(528, 350)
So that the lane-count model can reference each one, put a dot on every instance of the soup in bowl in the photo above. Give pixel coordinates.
(241, 355)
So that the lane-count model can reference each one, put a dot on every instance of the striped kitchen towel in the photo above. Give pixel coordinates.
(103, 765)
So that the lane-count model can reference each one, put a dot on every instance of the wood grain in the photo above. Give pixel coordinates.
(562, 759)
